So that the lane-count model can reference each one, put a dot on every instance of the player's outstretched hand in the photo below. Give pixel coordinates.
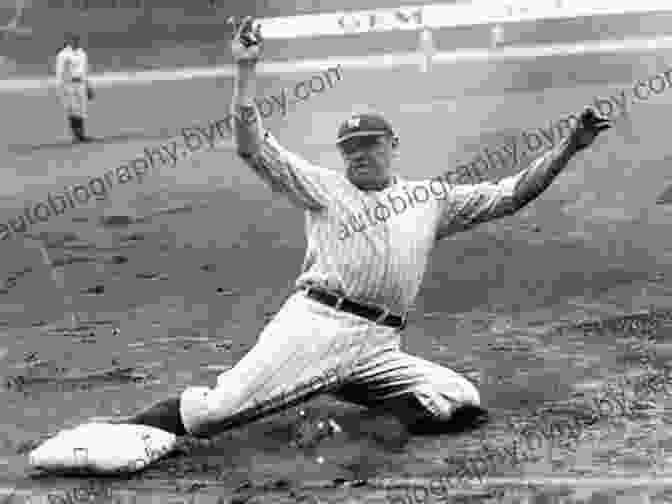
(590, 125)
(247, 43)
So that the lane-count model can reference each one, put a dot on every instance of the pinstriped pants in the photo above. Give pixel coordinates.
(309, 349)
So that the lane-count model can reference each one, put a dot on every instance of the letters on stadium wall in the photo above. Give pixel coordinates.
(363, 21)
(456, 13)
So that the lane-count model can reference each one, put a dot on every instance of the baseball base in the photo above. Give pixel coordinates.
(102, 448)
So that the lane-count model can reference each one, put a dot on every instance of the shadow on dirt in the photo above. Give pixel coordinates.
(465, 419)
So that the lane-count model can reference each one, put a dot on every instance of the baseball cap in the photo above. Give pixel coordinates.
(364, 125)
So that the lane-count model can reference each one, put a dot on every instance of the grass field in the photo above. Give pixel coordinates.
(198, 280)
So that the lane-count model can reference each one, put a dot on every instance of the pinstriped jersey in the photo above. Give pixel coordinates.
(374, 245)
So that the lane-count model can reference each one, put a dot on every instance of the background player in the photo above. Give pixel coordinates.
(71, 72)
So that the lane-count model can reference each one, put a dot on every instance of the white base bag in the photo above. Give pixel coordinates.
(102, 448)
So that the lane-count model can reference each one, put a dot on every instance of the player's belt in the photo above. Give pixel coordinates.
(76, 79)
(371, 312)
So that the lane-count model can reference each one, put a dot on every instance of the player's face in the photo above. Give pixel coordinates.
(368, 161)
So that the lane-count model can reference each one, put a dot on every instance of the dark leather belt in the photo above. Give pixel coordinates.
(76, 79)
(371, 312)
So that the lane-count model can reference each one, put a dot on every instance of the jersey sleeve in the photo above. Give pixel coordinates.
(468, 205)
(60, 66)
(306, 185)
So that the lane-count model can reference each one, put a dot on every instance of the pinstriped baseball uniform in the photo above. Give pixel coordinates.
(371, 246)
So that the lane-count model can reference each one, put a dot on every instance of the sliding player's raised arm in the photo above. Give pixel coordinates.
(468, 205)
(471, 204)
(306, 185)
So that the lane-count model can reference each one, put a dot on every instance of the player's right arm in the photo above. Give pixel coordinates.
(61, 61)
(304, 184)
(60, 67)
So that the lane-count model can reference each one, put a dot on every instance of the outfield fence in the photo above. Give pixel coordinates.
(368, 62)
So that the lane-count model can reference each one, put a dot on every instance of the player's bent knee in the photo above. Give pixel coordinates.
(455, 387)
(195, 407)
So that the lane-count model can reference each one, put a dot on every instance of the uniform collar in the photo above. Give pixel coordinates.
(394, 180)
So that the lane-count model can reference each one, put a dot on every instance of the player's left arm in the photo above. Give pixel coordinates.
(468, 205)
(90, 91)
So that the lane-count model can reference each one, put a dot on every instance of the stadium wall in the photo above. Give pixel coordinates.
(176, 33)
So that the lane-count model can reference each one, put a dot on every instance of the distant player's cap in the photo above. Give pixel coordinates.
(364, 125)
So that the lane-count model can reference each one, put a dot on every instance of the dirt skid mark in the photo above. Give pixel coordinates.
(59, 379)
(53, 239)
(116, 221)
(152, 275)
(186, 208)
(96, 290)
(643, 323)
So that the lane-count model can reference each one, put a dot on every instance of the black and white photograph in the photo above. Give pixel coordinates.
(335, 251)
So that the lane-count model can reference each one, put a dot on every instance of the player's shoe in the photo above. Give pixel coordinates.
(465, 418)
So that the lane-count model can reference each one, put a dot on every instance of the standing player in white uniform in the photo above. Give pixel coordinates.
(345, 319)
(71, 73)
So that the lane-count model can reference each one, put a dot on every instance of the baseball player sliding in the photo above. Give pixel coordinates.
(71, 71)
(348, 311)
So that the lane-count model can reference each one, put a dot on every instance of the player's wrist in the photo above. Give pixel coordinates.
(245, 83)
